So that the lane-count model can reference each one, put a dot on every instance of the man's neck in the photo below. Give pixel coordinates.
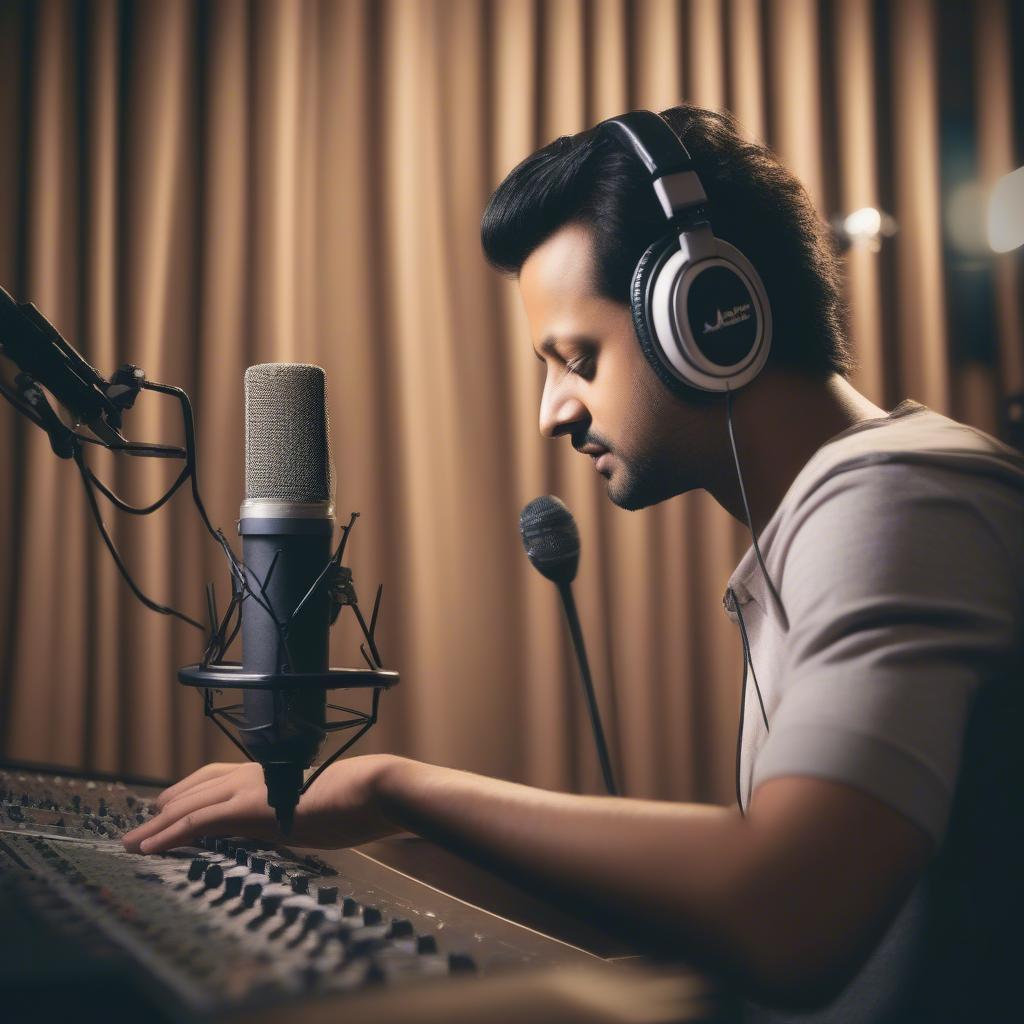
(779, 422)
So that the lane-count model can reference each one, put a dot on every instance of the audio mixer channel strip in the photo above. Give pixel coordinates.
(228, 924)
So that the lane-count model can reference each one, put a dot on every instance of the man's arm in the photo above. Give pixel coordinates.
(786, 902)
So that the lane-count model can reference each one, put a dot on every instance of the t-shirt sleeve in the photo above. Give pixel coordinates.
(899, 588)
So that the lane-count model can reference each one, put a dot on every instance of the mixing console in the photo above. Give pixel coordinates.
(229, 924)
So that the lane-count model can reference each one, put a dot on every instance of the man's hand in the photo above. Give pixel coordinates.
(339, 809)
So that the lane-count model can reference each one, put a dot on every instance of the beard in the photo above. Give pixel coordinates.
(652, 461)
(641, 479)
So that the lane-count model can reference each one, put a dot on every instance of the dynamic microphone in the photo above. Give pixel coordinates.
(552, 544)
(286, 524)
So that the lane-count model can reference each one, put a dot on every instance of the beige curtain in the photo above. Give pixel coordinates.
(195, 187)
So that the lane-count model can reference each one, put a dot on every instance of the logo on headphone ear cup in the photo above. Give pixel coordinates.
(722, 314)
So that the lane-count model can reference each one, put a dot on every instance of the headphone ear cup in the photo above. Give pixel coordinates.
(720, 338)
(640, 291)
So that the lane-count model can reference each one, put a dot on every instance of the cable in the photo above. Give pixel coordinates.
(739, 731)
(94, 506)
(746, 508)
(90, 481)
(747, 659)
(133, 509)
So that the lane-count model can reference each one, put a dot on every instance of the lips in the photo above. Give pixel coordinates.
(600, 455)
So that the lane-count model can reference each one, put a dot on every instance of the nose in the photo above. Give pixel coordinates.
(560, 410)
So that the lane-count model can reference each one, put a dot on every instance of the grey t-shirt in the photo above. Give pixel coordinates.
(898, 555)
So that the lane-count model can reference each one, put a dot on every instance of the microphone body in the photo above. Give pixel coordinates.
(286, 524)
(284, 729)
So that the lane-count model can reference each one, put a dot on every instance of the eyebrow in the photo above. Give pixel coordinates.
(547, 346)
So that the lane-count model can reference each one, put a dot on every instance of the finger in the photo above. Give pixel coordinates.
(238, 777)
(184, 805)
(229, 816)
(208, 771)
(204, 774)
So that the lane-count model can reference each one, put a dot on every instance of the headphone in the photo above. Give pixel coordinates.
(700, 310)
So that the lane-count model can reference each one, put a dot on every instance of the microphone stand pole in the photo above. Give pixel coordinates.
(573, 619)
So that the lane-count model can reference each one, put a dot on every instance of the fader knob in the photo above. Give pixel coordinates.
(270, 904)
(361, 947)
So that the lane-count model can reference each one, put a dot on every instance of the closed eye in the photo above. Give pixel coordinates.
(580, 365)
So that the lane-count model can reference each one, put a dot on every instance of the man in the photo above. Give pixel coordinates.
(883, 597)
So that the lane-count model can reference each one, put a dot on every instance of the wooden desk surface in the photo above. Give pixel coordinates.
(467, 881)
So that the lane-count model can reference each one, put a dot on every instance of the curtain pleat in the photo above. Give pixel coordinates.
(745, 49)
(921, 341)
(103, 724)
(197, 187)
(858, 185)
(994, 101)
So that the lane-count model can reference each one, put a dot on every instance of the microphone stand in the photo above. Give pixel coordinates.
(569, 603)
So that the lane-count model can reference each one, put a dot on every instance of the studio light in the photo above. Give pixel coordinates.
(1006, 212)
(864, 228)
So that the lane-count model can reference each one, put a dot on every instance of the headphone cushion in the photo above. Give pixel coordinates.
(647, 268)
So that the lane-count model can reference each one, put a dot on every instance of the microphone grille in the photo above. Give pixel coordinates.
(287, 435)
(551, 538)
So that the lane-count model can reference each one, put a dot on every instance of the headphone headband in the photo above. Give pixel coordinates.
(651, 139)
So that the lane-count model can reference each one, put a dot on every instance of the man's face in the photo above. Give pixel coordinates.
(600, 389)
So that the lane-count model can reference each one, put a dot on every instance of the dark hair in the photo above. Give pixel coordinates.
(756, 204)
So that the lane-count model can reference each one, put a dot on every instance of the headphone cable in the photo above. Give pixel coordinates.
(746, 509)
(747, 659)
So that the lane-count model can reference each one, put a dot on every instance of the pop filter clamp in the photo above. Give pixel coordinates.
(47, 361)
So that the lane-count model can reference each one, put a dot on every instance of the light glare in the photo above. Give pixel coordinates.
(863, 224)
(1006, 212)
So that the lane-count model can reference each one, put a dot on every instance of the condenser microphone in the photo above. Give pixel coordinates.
(552, 543)
(286, 524)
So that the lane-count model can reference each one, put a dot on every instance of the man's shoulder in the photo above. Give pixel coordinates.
(903, 457)
(886, 493)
